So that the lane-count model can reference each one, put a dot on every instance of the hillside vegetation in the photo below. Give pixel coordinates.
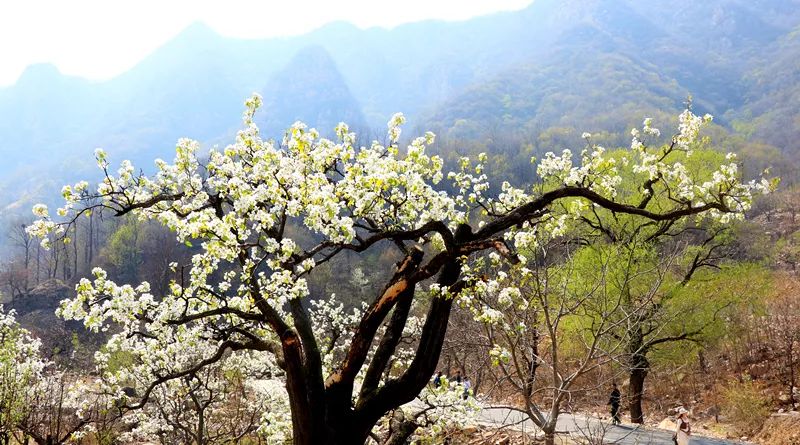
(547, 72)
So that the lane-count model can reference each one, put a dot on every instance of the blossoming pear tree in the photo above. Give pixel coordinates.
(219, 404)
(547, 324)
(438, 413)
(39, 402)
(247, 291)
(21, 367)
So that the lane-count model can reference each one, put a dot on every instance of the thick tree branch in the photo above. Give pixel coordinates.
(527, 211)
(340, 383)
(403, 389)
(391, 338)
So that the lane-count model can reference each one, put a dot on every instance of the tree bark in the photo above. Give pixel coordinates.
(639, 367)
(790, 359)
(306, 428)
(533, 364)
(401, 429)
(638, 373)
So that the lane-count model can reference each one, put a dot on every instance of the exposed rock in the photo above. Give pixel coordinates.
(667, 424)
(470, 430)
(505, 440)
(780, 429)
(61, 339)
(46, 296)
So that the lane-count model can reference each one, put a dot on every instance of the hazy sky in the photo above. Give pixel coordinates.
(101, 38)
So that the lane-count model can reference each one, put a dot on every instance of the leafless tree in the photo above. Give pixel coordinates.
(783, 319)
(562, 327)
(52, 416)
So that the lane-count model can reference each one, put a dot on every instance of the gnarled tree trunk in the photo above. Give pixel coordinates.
(638, 372)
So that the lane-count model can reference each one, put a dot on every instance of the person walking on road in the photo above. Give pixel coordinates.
(614, 401)
(684, 430)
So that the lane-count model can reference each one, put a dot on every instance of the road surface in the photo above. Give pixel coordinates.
(586, 427)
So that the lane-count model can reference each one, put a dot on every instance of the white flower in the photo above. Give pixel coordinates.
(40, 210)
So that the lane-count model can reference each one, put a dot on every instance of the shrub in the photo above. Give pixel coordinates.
(744, 405)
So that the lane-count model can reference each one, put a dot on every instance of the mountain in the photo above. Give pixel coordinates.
(312, 90)
(43, 102)
(515, 83)
(614, 62)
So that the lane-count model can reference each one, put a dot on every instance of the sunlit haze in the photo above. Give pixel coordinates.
(99, 39)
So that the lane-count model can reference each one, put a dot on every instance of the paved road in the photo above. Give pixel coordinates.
(585, 427)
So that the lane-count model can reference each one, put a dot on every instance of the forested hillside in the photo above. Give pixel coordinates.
(546, 73)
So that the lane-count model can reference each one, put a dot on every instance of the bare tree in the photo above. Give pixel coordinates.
(52, 415)
(14, 278)
(25, 243)
(783, 319)
(557, 327)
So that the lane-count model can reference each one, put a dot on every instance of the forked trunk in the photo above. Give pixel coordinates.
(330, 416)
(342, 426)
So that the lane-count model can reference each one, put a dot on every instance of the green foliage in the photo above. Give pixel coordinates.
(119, 359)
(123, 249)
(80, 350)
(720, 304)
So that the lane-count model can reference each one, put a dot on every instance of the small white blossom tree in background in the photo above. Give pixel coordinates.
(247, 292)
(21, 367)
(550, 323)
(438, 413)
(215, 405)
(38, 402)
(60, 409)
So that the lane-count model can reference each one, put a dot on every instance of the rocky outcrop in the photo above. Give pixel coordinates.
(62, 340)
(46, 296)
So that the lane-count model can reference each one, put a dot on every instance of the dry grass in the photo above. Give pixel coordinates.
(780, 429)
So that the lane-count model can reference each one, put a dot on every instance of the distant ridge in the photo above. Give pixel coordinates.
(546, 70)
(310, 89)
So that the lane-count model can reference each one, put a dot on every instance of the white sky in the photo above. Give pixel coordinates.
(99, 39)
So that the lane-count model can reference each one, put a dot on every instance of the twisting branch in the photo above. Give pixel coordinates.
(399, 287)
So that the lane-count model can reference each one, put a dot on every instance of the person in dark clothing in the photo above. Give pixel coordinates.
(458, 376)
(467, 387)
(437, 381)
(614, 402)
